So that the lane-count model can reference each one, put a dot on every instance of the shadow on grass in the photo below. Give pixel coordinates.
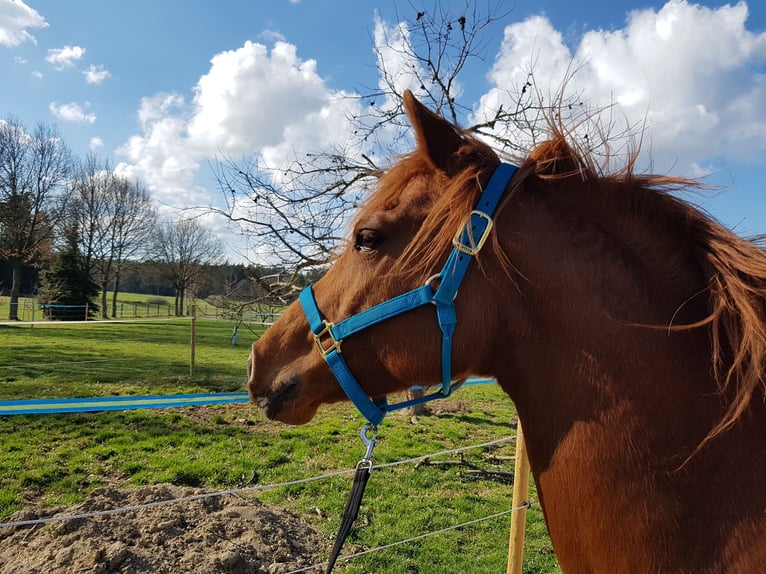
(476, 420)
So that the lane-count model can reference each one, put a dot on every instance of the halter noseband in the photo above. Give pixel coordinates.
(329, 336)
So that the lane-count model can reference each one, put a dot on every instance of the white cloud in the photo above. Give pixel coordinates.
(162, 157)
(253, 102)
(96, 74)
(72, 112)
(95, 143)
(315, 130)
(272, 36)
(15, 18)
(66, 57)
(685, 70)
(250, 95)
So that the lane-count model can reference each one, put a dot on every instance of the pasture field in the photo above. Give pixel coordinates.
(49, 460)
(129, 305)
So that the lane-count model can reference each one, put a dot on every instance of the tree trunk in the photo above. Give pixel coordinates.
(104, 301)
(114, 295)
(13, 308)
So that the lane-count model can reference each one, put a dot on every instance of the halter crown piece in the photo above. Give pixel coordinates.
(468, 242)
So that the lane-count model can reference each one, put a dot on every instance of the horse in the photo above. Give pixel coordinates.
(627, 326)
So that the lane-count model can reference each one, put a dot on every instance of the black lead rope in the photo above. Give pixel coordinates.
(362, 475)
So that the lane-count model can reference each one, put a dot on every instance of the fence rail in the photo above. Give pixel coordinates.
(97, 404)
(35, 312)
(28, 311)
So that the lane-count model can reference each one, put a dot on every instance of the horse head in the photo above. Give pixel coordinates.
(399, 240)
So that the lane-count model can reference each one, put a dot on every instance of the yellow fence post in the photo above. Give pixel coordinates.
(520, 499)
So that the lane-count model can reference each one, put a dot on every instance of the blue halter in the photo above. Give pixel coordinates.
(329, 336)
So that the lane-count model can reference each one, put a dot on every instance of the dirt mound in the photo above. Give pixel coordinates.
(213, 535)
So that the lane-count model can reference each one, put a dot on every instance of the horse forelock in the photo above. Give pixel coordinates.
(446, 202)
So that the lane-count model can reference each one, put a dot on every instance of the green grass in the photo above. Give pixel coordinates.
(81, 360)
(58, 459)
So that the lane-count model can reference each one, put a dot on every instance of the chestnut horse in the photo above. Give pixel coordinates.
(628, 328)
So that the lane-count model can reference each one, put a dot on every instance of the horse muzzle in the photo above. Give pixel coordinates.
(279, 397)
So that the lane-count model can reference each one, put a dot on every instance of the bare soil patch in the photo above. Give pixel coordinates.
(213, 535)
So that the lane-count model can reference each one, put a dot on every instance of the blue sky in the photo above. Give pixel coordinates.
(159, 87)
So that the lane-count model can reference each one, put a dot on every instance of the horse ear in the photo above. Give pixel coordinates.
(438, 139)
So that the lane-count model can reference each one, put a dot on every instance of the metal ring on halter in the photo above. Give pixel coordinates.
(433, 278)
(430, 280)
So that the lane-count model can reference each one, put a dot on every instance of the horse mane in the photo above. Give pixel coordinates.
(734, 268)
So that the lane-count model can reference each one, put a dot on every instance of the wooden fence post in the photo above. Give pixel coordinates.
(193, 339)
(520, 499)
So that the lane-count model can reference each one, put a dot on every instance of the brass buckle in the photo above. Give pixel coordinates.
(472, 249)
(325, 350)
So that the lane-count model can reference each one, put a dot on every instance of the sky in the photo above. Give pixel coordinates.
(161, 88)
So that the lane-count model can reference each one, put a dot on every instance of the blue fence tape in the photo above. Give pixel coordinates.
(52, 406)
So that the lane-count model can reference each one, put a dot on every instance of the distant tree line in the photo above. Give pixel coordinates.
(73, 232)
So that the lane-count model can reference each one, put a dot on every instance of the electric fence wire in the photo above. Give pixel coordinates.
(237, 491)
(526, 505)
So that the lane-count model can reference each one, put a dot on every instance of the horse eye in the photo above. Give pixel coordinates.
(367, 240)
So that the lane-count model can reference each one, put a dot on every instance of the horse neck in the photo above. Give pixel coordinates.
(612, 406)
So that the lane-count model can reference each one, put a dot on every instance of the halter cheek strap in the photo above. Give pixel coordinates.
(328, 338)
(468, 241)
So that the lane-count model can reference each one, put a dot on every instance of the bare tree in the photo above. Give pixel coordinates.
(181, 249)
(300, 217)
(34, 169)
(133, 221)
(114, 218)
(297, 214)
(89, 211)
(437, 44)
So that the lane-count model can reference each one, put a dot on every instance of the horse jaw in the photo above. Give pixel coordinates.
(292, 414)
